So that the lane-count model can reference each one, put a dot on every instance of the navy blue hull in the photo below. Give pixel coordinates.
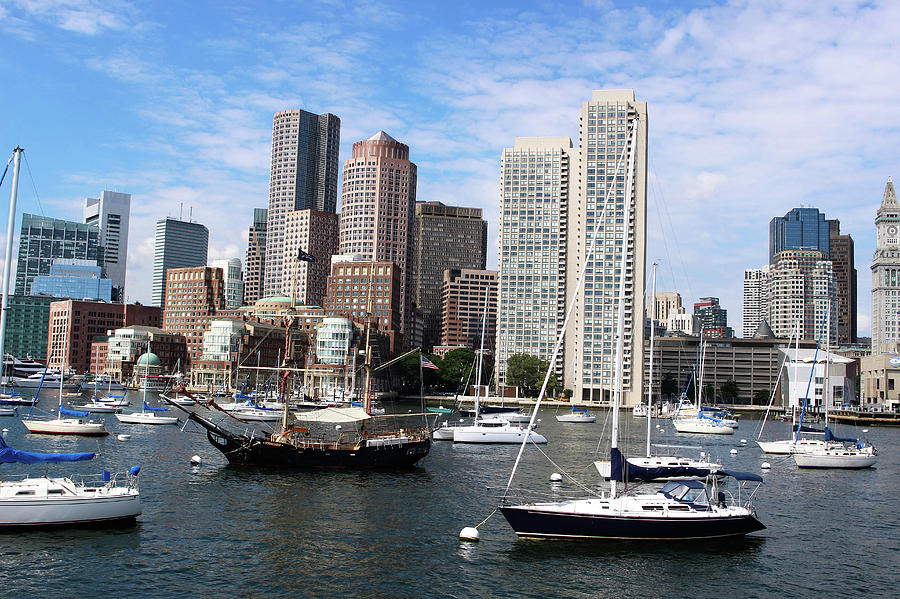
(539, 524)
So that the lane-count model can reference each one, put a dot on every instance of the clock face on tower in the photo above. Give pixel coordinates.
(892, 230)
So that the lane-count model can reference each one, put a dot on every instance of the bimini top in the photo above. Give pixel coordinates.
(741, 475)
(333, 415)
(8, 455)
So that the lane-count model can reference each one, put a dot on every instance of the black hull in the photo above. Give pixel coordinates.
(547, 525)
(489, 410)
(258, 452)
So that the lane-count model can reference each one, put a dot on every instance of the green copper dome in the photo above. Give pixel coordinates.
(150, 359)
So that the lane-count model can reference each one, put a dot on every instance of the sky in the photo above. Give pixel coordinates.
(754, 108)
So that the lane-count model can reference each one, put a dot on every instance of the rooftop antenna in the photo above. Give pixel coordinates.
(191, 214)
(180, 211)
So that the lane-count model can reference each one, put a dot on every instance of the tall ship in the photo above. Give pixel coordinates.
(354, 437)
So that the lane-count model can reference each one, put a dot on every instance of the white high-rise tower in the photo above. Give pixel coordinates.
(110, 214)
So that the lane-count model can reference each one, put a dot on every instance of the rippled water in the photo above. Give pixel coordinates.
(218, 531)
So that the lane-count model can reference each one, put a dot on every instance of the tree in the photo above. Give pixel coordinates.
(761, 397)
(729, 391)
(527, 373)
(407, 370)
(668, 387)
(457, 367)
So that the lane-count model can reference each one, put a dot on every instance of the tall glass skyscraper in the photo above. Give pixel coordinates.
(799, 229)
(179, 244)
(43, 240)
(304, 175)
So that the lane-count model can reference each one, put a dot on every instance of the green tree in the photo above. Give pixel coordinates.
(729, 391)
(407, 370)
(527, 373)
(457, 366)
(761, 397)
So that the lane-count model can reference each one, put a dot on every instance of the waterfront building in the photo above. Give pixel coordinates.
(756, 298)
(194, 297)
(231, 348)
(464, 320)
(378, 199)
(179, 244)
(880, 380)
(110, 213)
(844, 269)
(682, 323)
(234, 281)
(74, 324)
(453, 237)
(358, 287)
(254, 265)
(28, 318)
(801, 289)
(667, 302)
(310, 239)
(799, 229)
(126, 345)
(304, 175)
(534, 208)
(886, 273)
(713, 318)
(605, 129)
(77, 279)
(43, 240)
(798, 365)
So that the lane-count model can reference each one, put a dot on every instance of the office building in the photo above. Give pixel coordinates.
(304, 175)
(378, 199)
(609, 122)
(799, 229)
(667, 302)
(444, 237)
(756, 298)
(126, 345)
(234, 281)
(310, 239)
(26, 326)
(713, 318)
(110, 213)
(465, 322)
(76, 279)
(844, 269)
(43, 240)
(255, 264)
(886, 274)
(534, 204)
(179, 244)
(194, 297)
(801, 289)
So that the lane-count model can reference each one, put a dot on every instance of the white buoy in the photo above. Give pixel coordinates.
(123, 437)
(469, 533)
(702, 454)
(733, 452)
(556, 477)
(765, 465)
(743, 441)
(195, 460)
(4, 431)
(865, 430)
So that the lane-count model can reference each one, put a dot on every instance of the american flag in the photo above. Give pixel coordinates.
(426, 363)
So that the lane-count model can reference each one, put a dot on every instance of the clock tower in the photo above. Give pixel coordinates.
(886, 274)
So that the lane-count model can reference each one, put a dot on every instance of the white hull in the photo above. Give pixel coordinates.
(835, 458)
(60, 501)
(257, 415)
(146, 418)
(478, 433)
(576, 417)
(788, 447)
(701, 426)
(517, 417)
(66, 426)
(99, 408)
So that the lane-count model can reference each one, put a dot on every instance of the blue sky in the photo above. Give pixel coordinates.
(754, 108)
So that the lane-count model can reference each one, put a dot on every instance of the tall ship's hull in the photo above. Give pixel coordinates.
(565, 525)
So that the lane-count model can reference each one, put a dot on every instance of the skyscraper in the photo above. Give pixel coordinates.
(179, 244)
(464, 318)
(886, 274)
(193, 297)
(756, 299)
(534, 206)
(843, 266)
(310, 240)
(713, 318)
(378, 200)
(304, 175)
(42, 240)
(799, 229)
(110, 213)
(609, 121)
(255, 264)
(667, 302)
(234, 281)
(443, 237)
(801, 289)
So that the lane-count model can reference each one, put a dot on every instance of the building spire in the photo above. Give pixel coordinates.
(889, 200)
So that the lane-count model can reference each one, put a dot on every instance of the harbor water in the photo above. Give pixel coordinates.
(223, 531)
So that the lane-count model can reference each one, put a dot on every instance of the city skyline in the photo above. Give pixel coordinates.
(144, 101)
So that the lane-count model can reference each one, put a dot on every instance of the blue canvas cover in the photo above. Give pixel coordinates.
(829, 436)
(152, 409)
(807, 429)
(623, 471)
(8, 455)
(75, 413)
(737, 475)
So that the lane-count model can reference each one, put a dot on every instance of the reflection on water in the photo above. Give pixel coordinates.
(217, 530)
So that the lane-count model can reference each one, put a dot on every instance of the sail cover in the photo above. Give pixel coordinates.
(829, 436)
(624, 471)
(8, 455)
(333, 415)
(150, 408)
(75, 413)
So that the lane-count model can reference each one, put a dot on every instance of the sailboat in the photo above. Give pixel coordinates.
(838, 452)
(577, 415)
(688, 509)
(702, 424)
(325, 438)
(148, 414)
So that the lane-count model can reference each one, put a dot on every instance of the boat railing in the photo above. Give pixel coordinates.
(106, 479)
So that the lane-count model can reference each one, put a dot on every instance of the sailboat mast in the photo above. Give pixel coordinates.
(481, 350)
(652, 338)
(11, 223)
(827, 385)
(620, 320)
(367, 402)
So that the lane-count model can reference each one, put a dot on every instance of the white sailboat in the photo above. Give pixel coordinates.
(700, 423)
(687, 509)
(148, 414)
